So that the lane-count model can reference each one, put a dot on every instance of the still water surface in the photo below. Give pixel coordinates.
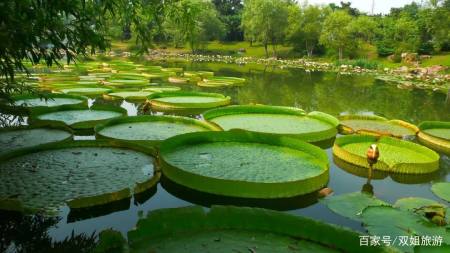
(328, 92)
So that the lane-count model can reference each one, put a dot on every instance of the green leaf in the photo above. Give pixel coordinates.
(375, 125)
(393, 222)
(351, 205)
(244, 164)
(442, 190)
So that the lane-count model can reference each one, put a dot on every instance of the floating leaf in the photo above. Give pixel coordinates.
(244, 164)
(375, 125)
(436, 135)
(187, 100)
(312, 127)
(395, 155)
(442, 190)
(393, 222)
(351, 205)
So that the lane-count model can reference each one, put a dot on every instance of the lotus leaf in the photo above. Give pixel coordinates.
(162, 88)
(312, 127)
(442, 190)
(436, 135)
(375, 125)
(395, 155)
(187, 100)
(351, 205)
(82, 173)
(151, 128)
(90, 91)
(131, 95)
(227, 79)
(190, 229)
(213, 84)
(80, 120)
(244, 164)
(178, 79)
(393, 222)
(127, 82)
(15, 138)
(425, 207)
(49, 101)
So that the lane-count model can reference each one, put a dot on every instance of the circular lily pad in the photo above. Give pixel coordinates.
(375, 125)
(395, 155)
(393, 222)
(226, 79)
(237, 229)
(162, 88)
(351, 205)
(187, 100)
(15, 138)
(435, 135)
(178, 79)
(82, 121)
(87, 91)
(151, 128)
(127, 82)
(129, 95)
(244, 164)
(442, 190)
(50, 100)
(81, 173)
(213, 84)
(311, 127)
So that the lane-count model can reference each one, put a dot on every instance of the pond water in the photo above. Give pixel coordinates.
(327, 92)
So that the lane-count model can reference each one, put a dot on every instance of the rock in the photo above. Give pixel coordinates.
(410, 57)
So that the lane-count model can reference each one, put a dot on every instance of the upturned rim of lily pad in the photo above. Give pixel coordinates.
(401, 168)
(222, 100)
(434, 142)
(241, 188)
(174, 222)
(150, 118)
(80, 128)
(315, 137)
(345, 129)
(88, 201)
(33, 109)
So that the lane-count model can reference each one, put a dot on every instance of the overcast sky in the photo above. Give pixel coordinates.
(381, 6)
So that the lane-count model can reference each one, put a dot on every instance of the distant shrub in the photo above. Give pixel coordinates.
(362, 63)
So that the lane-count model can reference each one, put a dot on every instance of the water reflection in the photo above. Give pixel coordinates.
(207, 199)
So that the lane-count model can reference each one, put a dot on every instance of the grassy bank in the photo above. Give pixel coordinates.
(244, 49)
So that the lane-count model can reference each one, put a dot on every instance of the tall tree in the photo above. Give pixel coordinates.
(336, 32)
(264, 21)
(48, 30)
(230, 13)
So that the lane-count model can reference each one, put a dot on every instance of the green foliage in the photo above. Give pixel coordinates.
(264, 20)
(336, 33)
(361, 62)
(193, 22)
(442, 190)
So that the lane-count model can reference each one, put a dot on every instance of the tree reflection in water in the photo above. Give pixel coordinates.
(29, 233)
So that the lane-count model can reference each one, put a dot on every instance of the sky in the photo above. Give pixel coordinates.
(381, 6)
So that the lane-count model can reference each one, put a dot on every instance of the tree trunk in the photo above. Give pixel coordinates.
(340, 53)
(265, 49)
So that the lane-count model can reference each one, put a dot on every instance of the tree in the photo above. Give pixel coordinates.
(46, 30)
(305, 26)
(364, 28)
(230, 13)
(193, 22)
(264, 20)
(336, 32)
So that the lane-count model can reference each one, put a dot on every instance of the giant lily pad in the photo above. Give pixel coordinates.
(442, 190)
(187, 100)
(127, 82)
(162, 88)
(352, 204)
(436, 135)
(239, 229)
(128, 95)
(81, 173)
(244, 164)
(397, 223)
(49, 101)
(15, 138)
(82, 121)
(86, 91)
(375, 125)
(425, 207)
(225, 79)
(395, 155)
(311, 127)
(151, 128)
